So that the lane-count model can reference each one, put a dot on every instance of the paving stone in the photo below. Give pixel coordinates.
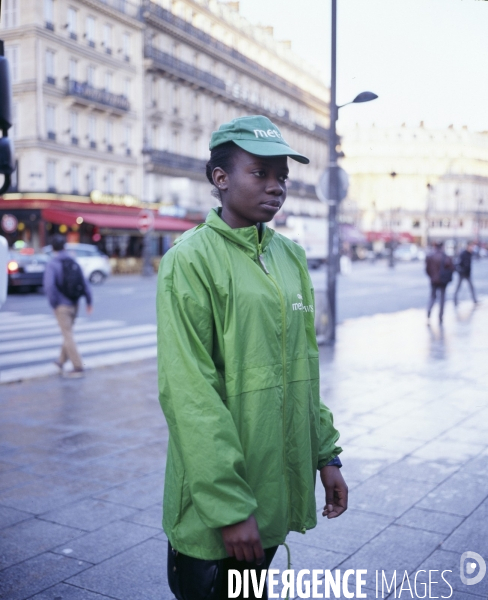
(65, 591)
(448, 452)
(429, 520)
(31, 537)
(345, 534)
(420, 470)
(37, 574)
(91, 470)
(10, 516)
(151, 517)
(388, 495)
(48, 492)
(88, 514)
(472, 534)
(106, 542)
(440, 560)
(395, 548)
(362, 463)
(137, 574)
(16, 478)
(140, 493)
(458, 495)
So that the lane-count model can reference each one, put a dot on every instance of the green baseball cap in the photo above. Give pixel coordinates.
(256, 135)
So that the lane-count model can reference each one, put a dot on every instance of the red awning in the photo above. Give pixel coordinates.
(113, 221)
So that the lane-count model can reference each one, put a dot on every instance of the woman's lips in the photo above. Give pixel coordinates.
(274, 206)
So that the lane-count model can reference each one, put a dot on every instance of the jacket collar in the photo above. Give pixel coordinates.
(245, 237)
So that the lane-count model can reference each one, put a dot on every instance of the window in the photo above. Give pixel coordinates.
(12, 55)
(49, 14)
(126, 46)
(73, 69)
(10, 13)
(51, 122)
(107, 38)
(50, 67)
(127, 86)
(109, 136)
(74, 127)
(90, 75)
(74, 179)
(128, 183)
(72, 23)
(51, 175)
(92, 132)
(108, 81)
(91, 179)
(110, 182)
(128, 140)
(90, 31)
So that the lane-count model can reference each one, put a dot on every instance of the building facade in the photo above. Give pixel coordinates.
(116, 100)
(205, 65)
(417, 184)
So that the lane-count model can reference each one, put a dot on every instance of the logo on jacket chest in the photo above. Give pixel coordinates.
(300, 306)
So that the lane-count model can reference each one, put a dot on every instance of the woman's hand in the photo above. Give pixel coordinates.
(336, 492)
(242, 540)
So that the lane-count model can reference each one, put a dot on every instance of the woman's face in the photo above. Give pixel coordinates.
(254, 190)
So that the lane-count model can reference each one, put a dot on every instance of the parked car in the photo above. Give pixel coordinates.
(408, 252)
(94, 264)
(25, 269)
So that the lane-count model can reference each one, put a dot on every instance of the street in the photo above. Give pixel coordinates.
(122, 328)
(83, 467)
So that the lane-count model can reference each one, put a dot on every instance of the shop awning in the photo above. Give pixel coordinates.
(113, 221)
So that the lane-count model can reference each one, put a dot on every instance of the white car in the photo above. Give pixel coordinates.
(94, 264)
(408, 252)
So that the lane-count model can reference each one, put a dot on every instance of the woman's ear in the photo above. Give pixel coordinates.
(220, 178)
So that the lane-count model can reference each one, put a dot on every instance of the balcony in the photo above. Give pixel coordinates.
(301, 188)
(179, 68)
(165, 15)
(177, 162)
(99, 96)
(123, 6)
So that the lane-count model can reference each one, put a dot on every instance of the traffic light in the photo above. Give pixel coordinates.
(7, 153)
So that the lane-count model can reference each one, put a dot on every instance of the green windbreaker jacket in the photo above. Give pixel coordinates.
(239, 386)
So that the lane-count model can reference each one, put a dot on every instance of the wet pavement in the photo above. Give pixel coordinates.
(82, 465)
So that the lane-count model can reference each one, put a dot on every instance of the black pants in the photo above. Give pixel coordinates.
(195, 579)
(442, 297)
(471, 287)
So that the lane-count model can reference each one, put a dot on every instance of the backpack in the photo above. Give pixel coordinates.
(445, 273)
(73, 283)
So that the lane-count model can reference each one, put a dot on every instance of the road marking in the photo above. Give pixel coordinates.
(29, 344)
(86, 336)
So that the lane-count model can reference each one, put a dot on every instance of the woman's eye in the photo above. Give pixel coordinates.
(259, 173)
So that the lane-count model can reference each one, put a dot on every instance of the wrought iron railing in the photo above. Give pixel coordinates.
(176, 161)
(177, 67)
(101, 96)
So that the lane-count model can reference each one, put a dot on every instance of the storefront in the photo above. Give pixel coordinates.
(115, 224)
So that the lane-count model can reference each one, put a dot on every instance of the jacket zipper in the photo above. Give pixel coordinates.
(283, 359)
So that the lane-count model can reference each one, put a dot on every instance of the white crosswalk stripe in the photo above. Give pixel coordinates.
(30, 344)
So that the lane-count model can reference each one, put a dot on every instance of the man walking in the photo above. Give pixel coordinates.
(464, 270)
(64, 285)
(439, 267)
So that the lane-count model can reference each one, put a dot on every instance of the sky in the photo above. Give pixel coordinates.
(426, 59)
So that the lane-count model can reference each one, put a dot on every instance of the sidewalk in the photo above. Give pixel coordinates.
(82, 467)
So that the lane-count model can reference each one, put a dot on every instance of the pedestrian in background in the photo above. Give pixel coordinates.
(439, 267)
(64, 285)
(239, 376)
(464, 271)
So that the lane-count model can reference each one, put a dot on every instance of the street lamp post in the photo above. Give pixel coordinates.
(391, 261)
(333, 191)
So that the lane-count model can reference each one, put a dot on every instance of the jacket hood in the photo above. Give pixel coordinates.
(245, 237)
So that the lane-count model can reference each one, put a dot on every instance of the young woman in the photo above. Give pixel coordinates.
(239, 375)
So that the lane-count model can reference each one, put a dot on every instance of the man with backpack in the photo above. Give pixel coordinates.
(439, 267)
(64, 285)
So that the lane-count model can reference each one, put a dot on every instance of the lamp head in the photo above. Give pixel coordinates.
(364, 97)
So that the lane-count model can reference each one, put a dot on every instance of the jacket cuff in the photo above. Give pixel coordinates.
(332, 461)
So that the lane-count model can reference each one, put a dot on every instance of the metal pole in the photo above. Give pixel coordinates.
(333, 241)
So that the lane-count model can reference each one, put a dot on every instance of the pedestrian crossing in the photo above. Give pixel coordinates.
(30, 343)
